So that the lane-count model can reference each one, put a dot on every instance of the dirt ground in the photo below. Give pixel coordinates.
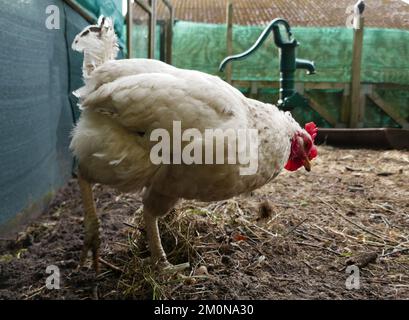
(292, 239)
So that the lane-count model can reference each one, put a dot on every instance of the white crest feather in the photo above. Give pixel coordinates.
(99, 44)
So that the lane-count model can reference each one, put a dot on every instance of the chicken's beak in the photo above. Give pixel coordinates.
(307, 164)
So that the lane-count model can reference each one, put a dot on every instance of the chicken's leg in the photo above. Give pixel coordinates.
(156, 205)
(91, 224)
(158, 255)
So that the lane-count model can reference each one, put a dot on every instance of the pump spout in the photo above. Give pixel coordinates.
(305, 64)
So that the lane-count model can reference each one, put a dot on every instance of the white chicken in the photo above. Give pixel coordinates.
(123, 102)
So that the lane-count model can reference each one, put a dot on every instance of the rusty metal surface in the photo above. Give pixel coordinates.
(379, 138)
(314, 13)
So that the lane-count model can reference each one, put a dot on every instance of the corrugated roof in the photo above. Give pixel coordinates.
(318, 13)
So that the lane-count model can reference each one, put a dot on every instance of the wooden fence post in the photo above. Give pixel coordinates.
(169, 33)
(129, 27)
(355, 107)
(152, 30)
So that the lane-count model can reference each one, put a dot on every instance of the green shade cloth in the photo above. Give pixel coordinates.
(37, 75)
(202, 46)
(385, 55)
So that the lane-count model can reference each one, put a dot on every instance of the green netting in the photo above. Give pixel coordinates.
(108, 8)
(37, 74)
(140, 41)
(203, 46)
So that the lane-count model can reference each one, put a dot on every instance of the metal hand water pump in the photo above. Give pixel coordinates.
(286, 44)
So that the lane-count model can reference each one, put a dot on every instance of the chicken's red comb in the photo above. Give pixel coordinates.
(312, 129)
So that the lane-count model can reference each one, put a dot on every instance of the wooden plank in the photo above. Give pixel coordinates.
(152, 30)
(388, 109)
(356, 72)
(229, 39)
(260, 84)
(129, 27)
(307, 85)
(323, 112)
(324, 85)
(391, 86)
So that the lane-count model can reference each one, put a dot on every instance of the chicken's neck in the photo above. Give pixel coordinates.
(96, 54)
(268, 117)
(275, 131)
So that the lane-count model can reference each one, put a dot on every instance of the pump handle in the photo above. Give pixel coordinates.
(278, 40)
